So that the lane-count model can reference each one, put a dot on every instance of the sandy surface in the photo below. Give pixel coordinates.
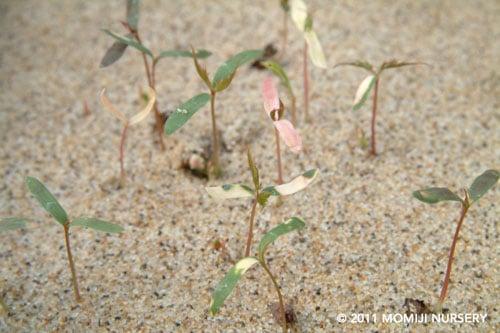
(368, 244)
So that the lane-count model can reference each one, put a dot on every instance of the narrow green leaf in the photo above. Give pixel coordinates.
(297, 184)
(230, 191)
(114, 53)
(12, 223)
(202, 71)
(133, 14)
(277, 70)
(363, 91)
(227, 284)
(293, 223)
(129, 41)
(223, 84)
(231, 65)
(436, 194)
(253, 170)
(483, 183)
(96, 224)
(396, 64)
(47, 200)
(359, 63)
(184, 112)
(200, 54)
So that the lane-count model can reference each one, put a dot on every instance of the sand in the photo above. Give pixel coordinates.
(368, 244)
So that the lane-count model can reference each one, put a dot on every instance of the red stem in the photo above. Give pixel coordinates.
(278, 156)
(250, 229)
(122, 152)
(71, 263)
(306, 85)
(374, 116)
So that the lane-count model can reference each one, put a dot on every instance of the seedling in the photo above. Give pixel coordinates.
(304, 22)
(433, 195)
(133, 39)
(8, 224)
(51, 205)
(259, 194)
(277, 70)
(221, 81)
(282, 127)
(137, 118)
(372, 82)
(227, 284)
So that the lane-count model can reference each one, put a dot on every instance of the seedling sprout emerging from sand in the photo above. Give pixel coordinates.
(133, 39)
(278, 70)
(137, 118)
(372, 82)
(227, 284)
(51, 205)
(304, 22)
(432, 195)
(282, 127)
(259, 194)
(221, 81)
(8, 224)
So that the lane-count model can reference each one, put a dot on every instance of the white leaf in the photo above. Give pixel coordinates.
(296, 185)
(363, 91)
(315, 49)
(298, 11)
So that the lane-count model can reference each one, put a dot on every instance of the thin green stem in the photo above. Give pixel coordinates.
(250, 228)
(446, 282)
(280, 297)
(71, 263)
(215, 138)
(374, 116)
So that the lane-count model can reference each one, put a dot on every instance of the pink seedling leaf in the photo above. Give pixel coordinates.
(270, 95)
(289, 134)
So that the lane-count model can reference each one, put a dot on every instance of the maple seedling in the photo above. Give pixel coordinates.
(127, 122)
(282, 127)
(372, 82)
(304, 22)
(8, 224)
(133, 39)
(227, 284)
(259, 194)
(221, 81)
(278, 70)
(433, 195)
(52, 206)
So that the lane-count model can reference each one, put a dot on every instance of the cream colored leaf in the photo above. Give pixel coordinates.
(111, 108)
(315, 49)
(147, 109)
(297, 184)
(230, 191)
(298, 11)
(363, 91)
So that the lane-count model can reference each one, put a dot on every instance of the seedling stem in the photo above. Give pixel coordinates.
(278, 157)
(122, 153)
(280, 297)
(306, 85)
(374, 116)
(250, 227)
(71, 263)
(215, 170)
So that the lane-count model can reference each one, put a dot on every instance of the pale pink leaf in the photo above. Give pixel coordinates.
(289, 134)
(270, 95)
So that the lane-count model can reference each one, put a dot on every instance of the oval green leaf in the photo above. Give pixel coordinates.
(230, 191)
(293, 223)
(96, 224)
(133, 14)
(483, 183)
(130, 41)
(436, 194)
(114, 53)
(12, 223)
(227, 284)
(231, 65)
(47, 200)
(200, 54)
(297, 184)
(184, 112)
(363, 92)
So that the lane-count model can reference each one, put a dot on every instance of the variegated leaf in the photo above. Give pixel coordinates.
(230, 191)
(297, 184)
(315, 49)
(363, 92)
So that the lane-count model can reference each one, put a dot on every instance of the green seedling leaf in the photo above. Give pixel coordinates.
(360, 63)
(223, 84)
(133, 14)
(363, 92)
(47, 200)
(202, 71)
(231, 65)
(436, 194)
(297, 184)
(483, 183)
(227, 284)
(200, 54)
(184, 112)
(96, 224)
(253, 170)
(129, 41)
(263, 197)
(114, 53)
(277, 70)
(230, 191)
(293, 223)
(12, 223)
(396, 64)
